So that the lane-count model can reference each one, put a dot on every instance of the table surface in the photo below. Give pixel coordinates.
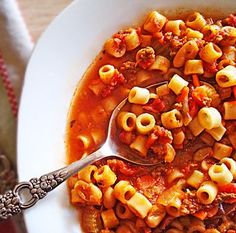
(39, 13)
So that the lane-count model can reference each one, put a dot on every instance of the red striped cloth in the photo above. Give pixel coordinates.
(8, 86)
(15, 49)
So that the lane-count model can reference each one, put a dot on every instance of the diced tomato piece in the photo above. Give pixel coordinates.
(199, 96)
(231, 20)
(117, 79)
(212, 212)
(160, 135)
(200, 214)
(210, 68)
(228, 188)
(122, 167)
(196, 82)
(156, 106)
(126, 137)
(193, 108)
(160, 37)
(151, 140)
(139, 31)
(145, 182)
(183, 95)
(234, 91)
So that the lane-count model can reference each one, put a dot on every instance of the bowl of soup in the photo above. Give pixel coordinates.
(95, 55)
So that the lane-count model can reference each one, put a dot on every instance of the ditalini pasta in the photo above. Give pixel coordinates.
(186, 121)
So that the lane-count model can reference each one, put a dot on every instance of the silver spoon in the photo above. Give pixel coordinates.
(25, 194)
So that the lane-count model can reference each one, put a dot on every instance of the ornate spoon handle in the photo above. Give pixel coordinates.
(26, 194)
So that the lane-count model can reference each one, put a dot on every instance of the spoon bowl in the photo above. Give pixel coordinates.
(14, 201)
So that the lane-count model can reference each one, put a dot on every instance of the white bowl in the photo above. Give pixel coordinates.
(59, 60)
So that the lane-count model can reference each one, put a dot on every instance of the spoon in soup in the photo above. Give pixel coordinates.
(26, 194)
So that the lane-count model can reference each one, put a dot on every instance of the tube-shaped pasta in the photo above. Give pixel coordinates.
(109, 218)
(145, 123)
(230, 53)
(205, 165)
(106, 73)
(221, 150)
(109, 103)
(132, 39)
(123, 191)
(217, 133)
(195, 21)
(138, 95)
(202, 153)
(75, 198)
(115, 47)
(229, 35)
(153, 96)
(161, 64)
(126, 120)
(162, 90)
(177, 84)
(88, 192)
(210, 53)
(231, 165)
(195, 126)
(170, 153)
(210, 30)
(226, 77)
(104, 176)
(154, 22)
(190, 33)
(123, 212)
(207, 192)
(87, 173)
(139, 205)
(175, 175)
(155, 216)
(175, 26)
(178, 137)
(173, 207)
(84, 141)
(195, 179)
(172, 119)
(193, 67)
(220, 174)
(188, 51)
(225, 62)
(98, 135)
(174, 230)
(109, 199)
(230, 110)
(209, 118)
(139, 145)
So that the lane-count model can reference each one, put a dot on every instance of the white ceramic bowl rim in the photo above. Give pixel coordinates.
(59, 60)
